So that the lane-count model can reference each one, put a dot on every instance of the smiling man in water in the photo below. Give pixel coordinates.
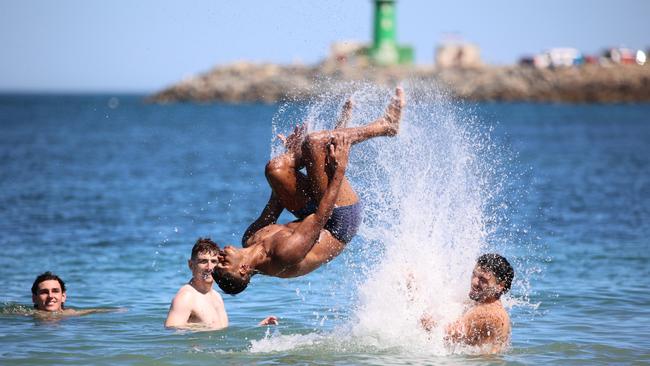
(327, 208)
(49, 293)
(197, 306)
(49, 296)
(485, 323)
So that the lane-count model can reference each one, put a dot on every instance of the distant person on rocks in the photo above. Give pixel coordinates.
(327, 208)
(197, 306)
(49, 297)
(485, 323)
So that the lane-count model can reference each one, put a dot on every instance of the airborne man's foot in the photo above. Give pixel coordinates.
(393, 115)
(346, 114)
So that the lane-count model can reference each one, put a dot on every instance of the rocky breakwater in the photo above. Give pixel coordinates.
(249, 82)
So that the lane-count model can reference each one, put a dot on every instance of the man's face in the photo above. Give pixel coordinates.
(49, 296)
(229, 258)
(202, 267)
(229, 261)
(484, 287)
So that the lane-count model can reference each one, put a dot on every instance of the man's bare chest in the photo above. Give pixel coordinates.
(205, 309)
(265, 234)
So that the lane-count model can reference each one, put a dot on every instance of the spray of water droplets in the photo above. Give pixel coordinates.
(436, 196)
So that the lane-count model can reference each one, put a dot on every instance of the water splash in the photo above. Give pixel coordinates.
(435, 200)
(9, 308)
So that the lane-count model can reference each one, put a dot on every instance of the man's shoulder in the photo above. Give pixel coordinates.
(271, 233)
(216, 296)
(186, 292)
(187, 288)
(189, 293)
(488, 313)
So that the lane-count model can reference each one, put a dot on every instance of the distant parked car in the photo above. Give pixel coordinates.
(640, 57)
(565, 57)
(558, 57)
(620, 55)
(527, 61)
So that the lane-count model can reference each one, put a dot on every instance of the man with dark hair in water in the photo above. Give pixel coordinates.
(49, 296)
(328, 209)
(197, 305)
(48, 292)
(485, 323)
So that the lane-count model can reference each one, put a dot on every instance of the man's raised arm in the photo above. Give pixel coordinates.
(292, 159)
(269, 216)
(293, 249)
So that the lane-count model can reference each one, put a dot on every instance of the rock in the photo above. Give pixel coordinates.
(249, 82)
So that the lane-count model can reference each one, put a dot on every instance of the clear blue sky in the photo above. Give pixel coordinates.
(144, 45)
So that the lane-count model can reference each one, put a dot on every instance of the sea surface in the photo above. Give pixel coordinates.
(110, 193)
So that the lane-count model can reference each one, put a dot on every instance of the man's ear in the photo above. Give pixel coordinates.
(190, 264)
(63, 297)
(244, 270)
(34, 299)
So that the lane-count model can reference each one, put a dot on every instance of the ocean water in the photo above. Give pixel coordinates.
(111, 193)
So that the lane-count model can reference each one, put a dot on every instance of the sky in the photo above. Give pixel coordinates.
(146, 45)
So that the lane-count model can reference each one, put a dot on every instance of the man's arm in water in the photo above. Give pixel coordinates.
(180, 310)
(473, 328)
(76, 312)
(269, 216)
(98, 310)
(293, 249)
(269, 320)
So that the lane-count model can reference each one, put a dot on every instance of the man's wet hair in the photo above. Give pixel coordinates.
(47, 276)
(500, 268)
(228, 283)
(204, 245)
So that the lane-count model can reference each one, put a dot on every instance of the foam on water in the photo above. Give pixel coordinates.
(433, 203)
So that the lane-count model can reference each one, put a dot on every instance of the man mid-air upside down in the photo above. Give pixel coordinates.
(328, 209)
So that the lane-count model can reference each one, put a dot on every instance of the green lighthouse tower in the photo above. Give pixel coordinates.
(385, 50)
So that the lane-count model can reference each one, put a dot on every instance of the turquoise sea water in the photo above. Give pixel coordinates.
(111, 193)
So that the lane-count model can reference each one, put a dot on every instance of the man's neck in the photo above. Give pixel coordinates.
(490, 301)
(201, 286)
(254, 256)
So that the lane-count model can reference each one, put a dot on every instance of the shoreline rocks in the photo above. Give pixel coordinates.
(269, 83)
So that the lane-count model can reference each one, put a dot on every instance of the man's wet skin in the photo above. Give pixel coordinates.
(197, 306)
(49, 296)
(265, 242)
(485, 322)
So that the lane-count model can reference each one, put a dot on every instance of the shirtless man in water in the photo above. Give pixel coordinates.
(485, 323)
(49, 296)
(328, 209)
(197, 306)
